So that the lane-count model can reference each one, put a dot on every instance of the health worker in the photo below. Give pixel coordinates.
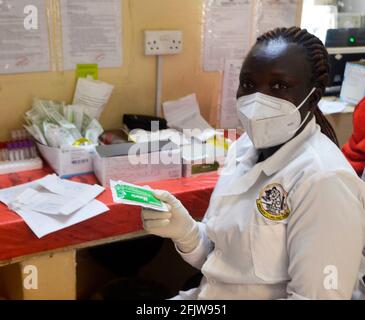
(286, 218)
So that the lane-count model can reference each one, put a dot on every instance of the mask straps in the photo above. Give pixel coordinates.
(308, 113)
(301, 124)
(306, 98)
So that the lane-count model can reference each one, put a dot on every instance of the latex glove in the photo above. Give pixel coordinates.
(177, 224)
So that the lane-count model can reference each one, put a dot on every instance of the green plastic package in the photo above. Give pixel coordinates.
(130, 194)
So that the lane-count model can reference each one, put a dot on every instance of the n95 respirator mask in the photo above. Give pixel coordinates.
(269, 121)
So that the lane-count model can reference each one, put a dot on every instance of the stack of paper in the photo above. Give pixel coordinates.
(184, 114)
(51, 204)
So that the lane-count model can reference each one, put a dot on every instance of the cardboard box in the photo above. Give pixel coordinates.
(68, 161)
(199, 159)
(120, 162)
(353, 86)
(194, 169)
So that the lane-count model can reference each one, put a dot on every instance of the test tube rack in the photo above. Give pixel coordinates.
(19, 154)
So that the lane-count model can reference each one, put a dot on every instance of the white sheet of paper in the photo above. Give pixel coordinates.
(195, 126)
(42, 224)
(272, 14)
(78, 194)
(227, 31)
(185, 114)
(195, 152)
(67, 187)
(184, 107)
(43, 202)
(329, 107)
(92, 33)
(231, 81)
(23, 50)
(93, 95)
(8, 195)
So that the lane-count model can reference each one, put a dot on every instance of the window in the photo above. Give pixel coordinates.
(320, 15)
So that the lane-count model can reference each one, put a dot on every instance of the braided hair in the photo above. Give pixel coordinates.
(318, 58)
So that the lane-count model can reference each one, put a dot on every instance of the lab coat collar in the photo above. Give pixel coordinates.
(249, 170)
(289, 150)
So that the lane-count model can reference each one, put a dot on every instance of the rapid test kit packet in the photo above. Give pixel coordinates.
(130, 194)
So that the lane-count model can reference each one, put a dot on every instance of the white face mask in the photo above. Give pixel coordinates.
(269, 121)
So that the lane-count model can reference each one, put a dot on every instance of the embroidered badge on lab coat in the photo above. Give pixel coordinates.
(272, 202)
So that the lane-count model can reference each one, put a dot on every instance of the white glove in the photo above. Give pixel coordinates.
(177, 224)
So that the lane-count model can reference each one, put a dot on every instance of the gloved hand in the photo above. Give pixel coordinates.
(177, 224)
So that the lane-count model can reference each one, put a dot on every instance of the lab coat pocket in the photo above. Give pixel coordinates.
(269, 254)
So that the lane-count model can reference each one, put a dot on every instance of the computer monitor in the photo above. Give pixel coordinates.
(351, 37)
(343, 45)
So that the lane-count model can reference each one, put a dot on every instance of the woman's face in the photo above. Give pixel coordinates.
(278, 69)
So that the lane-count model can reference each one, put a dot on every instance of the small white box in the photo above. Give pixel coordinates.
(201, 168)
(113, 163)
(199, 159)
(353, 86)
(69, 161)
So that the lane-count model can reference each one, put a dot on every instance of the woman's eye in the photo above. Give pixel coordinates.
(279, 86)
(247, 85)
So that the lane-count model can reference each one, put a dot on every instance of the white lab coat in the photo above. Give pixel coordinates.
(313, 250)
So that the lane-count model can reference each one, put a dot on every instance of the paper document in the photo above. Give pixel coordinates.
(51, 204)
(93, 95)
(271, 14)
(23, 37)
(8, 195)
(43, 202)
(329, 107)
(42, 224)
(231, 81)
(76, 194)
(185, 114)
(227, 31)
(92, 33)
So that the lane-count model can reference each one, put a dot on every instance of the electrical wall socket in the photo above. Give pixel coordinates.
(162, 42)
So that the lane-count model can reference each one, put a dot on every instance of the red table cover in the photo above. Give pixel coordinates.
(16, 239)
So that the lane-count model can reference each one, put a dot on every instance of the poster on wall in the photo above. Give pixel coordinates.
(92, 33)
(228, 112)
(226, 32)
(271, 14)
(23, 37)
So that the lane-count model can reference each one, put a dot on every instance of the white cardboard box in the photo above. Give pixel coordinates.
(113, 162)
(68, 161)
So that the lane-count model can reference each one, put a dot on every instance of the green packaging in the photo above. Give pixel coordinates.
(84, 70)
(130, 194)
